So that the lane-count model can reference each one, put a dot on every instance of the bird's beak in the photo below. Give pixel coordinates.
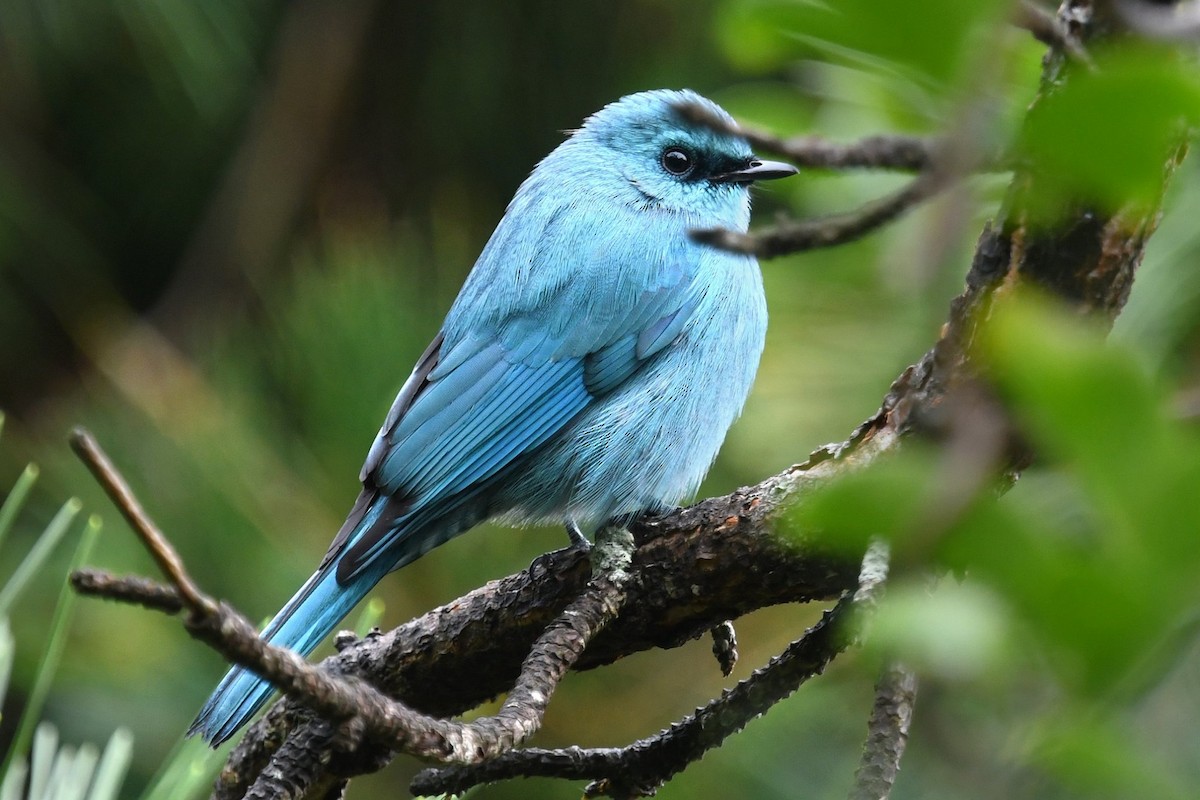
(756, 170)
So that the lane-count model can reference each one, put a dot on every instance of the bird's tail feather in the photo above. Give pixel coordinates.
(300, 626)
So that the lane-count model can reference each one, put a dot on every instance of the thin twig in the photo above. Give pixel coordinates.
(338, 698)
(85, 446)
(896, 152)
(216, 624)
(887, 734)
(795, 236)
(640, 768)
(132, 589)
(1049, 30)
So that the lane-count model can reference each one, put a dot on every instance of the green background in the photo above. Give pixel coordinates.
(228, 229)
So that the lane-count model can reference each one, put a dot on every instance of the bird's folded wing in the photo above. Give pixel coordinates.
(470, 411)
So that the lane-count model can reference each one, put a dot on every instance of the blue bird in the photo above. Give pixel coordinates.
(588, 370)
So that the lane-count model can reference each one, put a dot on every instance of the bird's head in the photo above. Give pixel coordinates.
(652, 154)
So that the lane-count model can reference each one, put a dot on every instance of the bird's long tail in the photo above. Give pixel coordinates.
(303, 623)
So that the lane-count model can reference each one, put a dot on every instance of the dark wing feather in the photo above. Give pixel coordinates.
(472, 410)
(408, 393)
(412, 387)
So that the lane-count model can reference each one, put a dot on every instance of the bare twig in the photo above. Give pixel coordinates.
(795, 236)
(895, 152)
(85, 446)
(132, 589)
(338, 698)
(1049, 30)
(642, 767)
(939, 162)
(887, 734)
(214, 623)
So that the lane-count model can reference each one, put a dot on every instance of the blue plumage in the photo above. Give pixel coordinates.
(589, 369)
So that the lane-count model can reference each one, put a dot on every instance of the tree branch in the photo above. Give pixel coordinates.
(893, 152)
(641, 768)
(133, 589)
(887, 734)
(118, 490)
(340, 698)
(796, 236)
(1050, 30)
(692, 570)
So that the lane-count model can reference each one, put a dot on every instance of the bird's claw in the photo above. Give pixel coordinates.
(578, 539)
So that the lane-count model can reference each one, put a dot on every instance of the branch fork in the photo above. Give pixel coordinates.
(343, 698)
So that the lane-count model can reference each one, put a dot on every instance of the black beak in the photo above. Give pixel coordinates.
(756, 170)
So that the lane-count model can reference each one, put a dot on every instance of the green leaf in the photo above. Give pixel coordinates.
(188, 771)
(1096, 757)
(1103, 595)
(1095, 557)
(113, 765)
(957, 631)
(14, 780)
(37, 556)
(930, 40)
(885, 499)
(7, 654)
(63, 611)
(16, 499)
(1103, 136)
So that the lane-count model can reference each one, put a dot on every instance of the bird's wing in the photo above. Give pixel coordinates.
(469, 411)
(417, 381)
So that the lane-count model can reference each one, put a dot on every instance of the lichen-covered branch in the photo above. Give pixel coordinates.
(887, 733)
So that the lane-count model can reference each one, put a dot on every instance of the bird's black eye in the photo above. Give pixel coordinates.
(677, 161)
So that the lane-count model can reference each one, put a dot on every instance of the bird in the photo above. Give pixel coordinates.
(588, 371)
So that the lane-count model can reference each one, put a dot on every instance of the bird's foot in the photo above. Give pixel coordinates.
(578, 539)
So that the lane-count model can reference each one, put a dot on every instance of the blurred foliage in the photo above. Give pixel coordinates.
(33, 764)
(1141, 98)
(228, 229)
(1082, 578)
